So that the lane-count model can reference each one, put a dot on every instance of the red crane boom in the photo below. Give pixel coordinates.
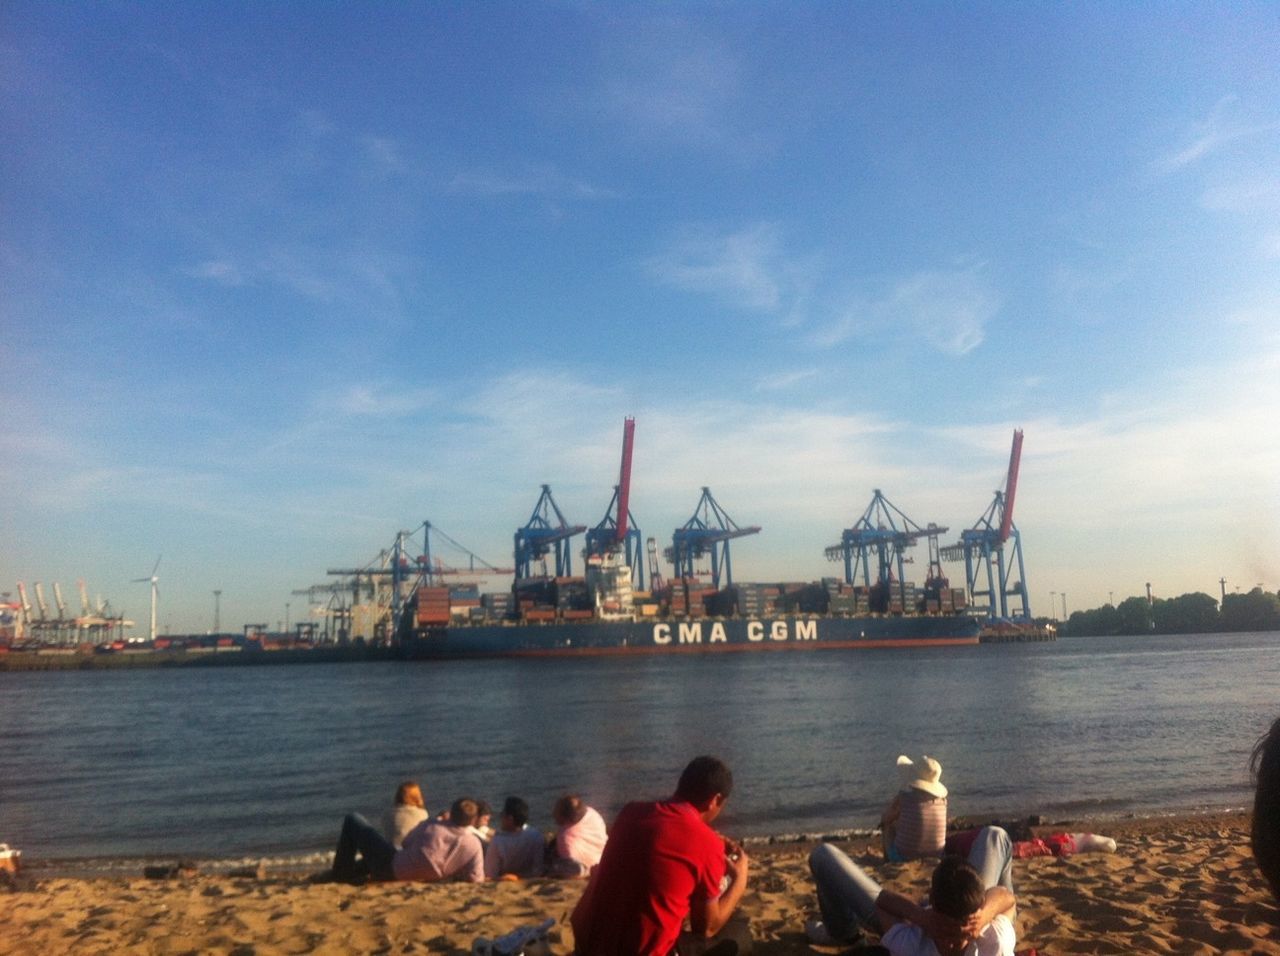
(1011, 486)
(624, 478)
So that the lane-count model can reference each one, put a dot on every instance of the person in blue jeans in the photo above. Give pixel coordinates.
(971, 903)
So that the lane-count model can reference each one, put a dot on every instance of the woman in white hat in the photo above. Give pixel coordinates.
(914, 825)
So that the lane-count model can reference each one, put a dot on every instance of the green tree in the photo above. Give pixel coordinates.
(1255, 611)
(1135, 616)
(1195, 613)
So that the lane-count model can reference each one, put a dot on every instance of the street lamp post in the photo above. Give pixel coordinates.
(217, 612)
(286, 617)
(1053, 604)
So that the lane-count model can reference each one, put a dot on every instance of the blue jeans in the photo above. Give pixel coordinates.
(847, 896)
(375, 851)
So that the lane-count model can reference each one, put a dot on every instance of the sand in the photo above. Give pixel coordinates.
(1174, 886)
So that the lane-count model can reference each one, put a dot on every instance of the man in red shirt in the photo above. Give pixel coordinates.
(663, 863)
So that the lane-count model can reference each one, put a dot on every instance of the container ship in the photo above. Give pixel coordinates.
(599, 614)
(611, 609)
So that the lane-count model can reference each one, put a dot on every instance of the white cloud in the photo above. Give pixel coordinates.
(531, 180)
(385, 153)
(672, 84)
(1260, 194)
(779, 381)
(381, 400)
(747, 268)
(1221, 128)
(949, 310)
(1271, 246)
(217, 270)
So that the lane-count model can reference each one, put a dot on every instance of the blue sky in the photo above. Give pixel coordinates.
(282, 279)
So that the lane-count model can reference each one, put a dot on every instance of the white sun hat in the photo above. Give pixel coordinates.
(926, 775)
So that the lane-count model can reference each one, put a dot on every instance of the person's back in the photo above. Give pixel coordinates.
(517, 849)
(914, 825)
(408, 811)
(660, 855)
(436, 850)
(922, 825)
(581, 837)
(663, 862)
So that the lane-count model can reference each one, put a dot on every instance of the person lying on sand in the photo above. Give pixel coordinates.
(433, 851)
(970, 902)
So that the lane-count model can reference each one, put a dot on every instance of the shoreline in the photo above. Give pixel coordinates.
(1177, 884)
(310, 859)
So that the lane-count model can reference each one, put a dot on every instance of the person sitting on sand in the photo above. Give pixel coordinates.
(663, 862)
(580, 837)
(484, 813)
(1265, 765)
(433, 851)
(914, 825)
(408, 811)
(517, 849)
(970, 902)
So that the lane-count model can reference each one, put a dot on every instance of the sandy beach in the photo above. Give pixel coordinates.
(1183, 885)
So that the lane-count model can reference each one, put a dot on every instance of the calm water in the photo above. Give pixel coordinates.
(264, 761)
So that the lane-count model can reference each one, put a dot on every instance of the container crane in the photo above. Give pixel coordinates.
(433, 567)
(982, 548)
(617, 531)
(25, 620)
(655, 575)
(881, 537)
(62, 624)
(709, 531)
(544, 533)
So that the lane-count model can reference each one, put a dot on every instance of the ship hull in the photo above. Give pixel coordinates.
(689, 636)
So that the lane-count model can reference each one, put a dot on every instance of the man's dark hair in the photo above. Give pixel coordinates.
(517, 810)
(957, 889)
(463, 812)
(1265, 766)
(568, 809)
(483, 809)
(703, 779)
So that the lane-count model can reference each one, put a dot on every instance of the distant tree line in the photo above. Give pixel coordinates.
(1196, 613)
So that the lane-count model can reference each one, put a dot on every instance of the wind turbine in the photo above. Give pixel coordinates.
(155, 594)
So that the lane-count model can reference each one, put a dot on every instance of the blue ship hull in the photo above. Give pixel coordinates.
(689, 635)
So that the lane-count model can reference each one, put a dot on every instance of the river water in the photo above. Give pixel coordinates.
(263, 762)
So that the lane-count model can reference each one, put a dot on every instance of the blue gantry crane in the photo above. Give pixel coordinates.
(874, 552)
(982, 549)
(545, 532)
(708, 532)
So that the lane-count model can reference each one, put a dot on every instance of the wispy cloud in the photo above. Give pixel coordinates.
(217, 270)
(1222, 127)
(748, 268)
(780, 381)
(681, 89)
(532, 180)
(949, 310)
(380, 400)
(385, 154)
(1256, 194)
